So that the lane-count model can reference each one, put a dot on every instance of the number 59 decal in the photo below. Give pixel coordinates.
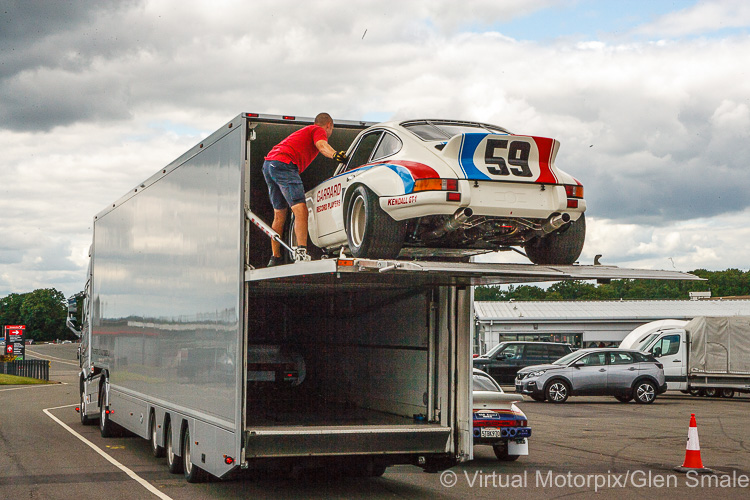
(498, 155)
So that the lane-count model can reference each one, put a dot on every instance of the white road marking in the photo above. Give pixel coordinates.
(150, 487)
(34, 386)
(50, 358)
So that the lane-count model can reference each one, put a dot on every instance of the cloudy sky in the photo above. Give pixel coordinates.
(649, 98)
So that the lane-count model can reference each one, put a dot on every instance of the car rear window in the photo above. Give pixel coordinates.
(482, 383)
(442, 131)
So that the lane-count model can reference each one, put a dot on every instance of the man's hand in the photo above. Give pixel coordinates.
(340, 156)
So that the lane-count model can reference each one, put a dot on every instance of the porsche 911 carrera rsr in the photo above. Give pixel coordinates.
(421, 187)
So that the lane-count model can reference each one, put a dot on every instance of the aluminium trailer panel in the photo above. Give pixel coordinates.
(167, 285)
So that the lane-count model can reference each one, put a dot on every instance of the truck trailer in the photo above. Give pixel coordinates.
(706, 356)
(221, 364)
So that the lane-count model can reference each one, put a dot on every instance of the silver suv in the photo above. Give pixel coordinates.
(623, 373)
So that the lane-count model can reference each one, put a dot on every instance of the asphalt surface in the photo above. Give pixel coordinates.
(587, 447)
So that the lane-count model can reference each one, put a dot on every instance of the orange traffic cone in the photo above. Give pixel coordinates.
(693, 460)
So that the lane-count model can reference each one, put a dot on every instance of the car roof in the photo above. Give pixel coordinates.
(533, 342)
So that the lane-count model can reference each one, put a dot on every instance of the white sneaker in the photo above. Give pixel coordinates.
(300, 255)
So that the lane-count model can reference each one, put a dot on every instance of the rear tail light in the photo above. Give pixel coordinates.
(574, 191)
(436, 185)
(572, 203)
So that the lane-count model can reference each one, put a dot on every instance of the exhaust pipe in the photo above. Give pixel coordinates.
(461, 216)
(555, 222)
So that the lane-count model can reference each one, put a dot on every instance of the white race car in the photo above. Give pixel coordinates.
(425, 187)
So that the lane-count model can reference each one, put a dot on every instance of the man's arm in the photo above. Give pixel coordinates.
(325, 148)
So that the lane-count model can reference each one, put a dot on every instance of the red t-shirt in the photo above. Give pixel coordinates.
(299, 148)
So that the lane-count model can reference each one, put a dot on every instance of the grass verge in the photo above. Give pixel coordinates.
(13, 380)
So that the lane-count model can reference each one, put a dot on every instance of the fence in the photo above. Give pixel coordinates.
(34, 368)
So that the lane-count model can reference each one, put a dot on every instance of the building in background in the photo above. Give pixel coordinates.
(586, 323)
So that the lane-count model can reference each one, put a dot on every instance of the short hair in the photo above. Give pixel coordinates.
(323, 119)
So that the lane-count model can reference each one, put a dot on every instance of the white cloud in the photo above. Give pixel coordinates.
(706, 16)
(93, 105)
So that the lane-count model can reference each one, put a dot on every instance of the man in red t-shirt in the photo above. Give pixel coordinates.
(282, 167)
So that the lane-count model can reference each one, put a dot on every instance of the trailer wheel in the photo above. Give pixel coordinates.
(501, 452)
(84, 419)
(370, 231)
(193, 473)
(106, 426)
(727, 393)
(174, 462)
(156, 449)
(645, 392)
(563, 247)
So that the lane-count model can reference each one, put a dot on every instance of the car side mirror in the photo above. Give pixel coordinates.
(578, 364)
(657, 352)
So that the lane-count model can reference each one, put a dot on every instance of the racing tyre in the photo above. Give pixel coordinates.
(174, 462)
(711, 392)
(563, 247)
(370, 231)
(645, 392)
(193, 473)
(84, 419)
(501, 452)
(106, 426)
(156, 448)
(727, 393)
(623, 399)
(557, 392)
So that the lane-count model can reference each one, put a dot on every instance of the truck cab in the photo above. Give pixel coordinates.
(666, 341)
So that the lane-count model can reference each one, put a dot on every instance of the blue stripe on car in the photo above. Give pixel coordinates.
(405, 175)
(469, 143)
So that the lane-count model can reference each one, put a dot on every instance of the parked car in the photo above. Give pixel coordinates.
(447, 185)
(504, 360)
(623, 373)
(497, 420)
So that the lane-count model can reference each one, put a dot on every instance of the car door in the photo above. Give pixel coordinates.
(621, 372)
(588, 375)
(506, 363)
(670, 351)
(327, 210)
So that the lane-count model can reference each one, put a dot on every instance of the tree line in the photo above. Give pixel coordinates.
(43, 311)
(729, 283)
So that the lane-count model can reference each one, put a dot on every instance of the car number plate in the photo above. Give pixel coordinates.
(489, 432)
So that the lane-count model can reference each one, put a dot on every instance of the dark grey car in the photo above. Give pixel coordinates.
(504, 360)
(623, 373)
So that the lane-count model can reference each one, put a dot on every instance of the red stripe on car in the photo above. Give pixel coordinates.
(545, 146)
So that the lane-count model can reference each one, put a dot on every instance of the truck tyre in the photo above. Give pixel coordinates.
(727, 393)
(84, 419)
(156, 449)
(370, 231)
(563, 247)
(557, 391)
(501, 452)
(645, 392)
(193, 473)
(106, 426)
(711, 392)
(174, 462)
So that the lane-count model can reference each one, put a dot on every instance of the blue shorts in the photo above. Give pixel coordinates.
(284, 184)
